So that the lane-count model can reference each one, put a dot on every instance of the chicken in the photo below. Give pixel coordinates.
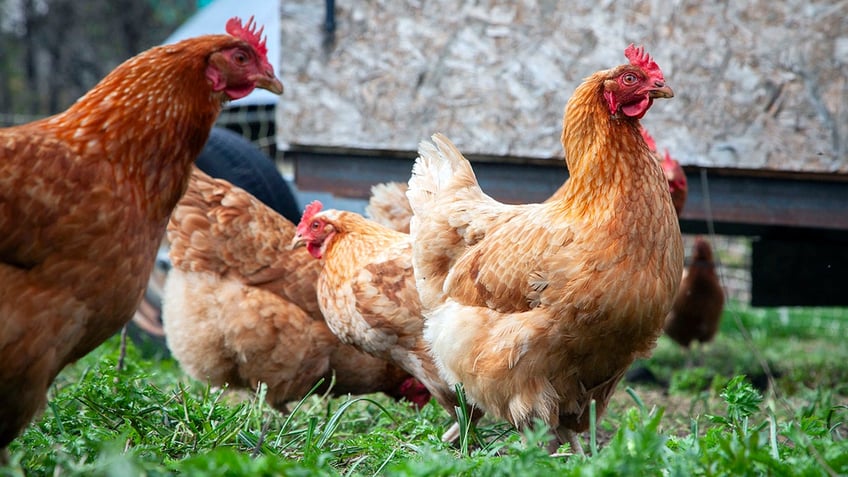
(538, 309)
(696, 312)
(389, 207)
(677, 184)
(85, 196)
(239, 306)
(367, 293)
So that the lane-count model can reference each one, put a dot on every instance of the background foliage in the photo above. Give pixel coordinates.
(53, 51)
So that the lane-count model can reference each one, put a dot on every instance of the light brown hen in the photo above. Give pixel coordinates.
(539, 309)
(367, 293)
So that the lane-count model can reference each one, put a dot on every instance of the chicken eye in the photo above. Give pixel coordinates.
(314, 225)
(629, 79)
(240, 57)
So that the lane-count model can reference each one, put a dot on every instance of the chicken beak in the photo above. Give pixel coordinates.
(660, 90)
(297, 241)
(270, 82)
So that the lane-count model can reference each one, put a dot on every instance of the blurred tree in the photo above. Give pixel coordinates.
(53, 51)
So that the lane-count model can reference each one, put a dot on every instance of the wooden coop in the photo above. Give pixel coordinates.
(759, 121)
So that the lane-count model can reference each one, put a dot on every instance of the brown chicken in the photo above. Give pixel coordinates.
(85, 196)
(367, 293)
(696, 312)
(539, 309)
(239, 306)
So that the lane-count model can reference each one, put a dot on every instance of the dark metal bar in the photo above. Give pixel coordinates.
(742, 202)
(352, 176)
(330, 16)
(750, 198)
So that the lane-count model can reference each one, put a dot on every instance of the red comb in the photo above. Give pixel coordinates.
(640, 58)
(652, 146)
(248, 33)
(313, 208)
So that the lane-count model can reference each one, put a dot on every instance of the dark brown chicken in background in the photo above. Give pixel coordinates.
(85, 196)
(696, 312)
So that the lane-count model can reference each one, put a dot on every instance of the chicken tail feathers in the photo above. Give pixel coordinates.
(440, 169)
(441, 192)
(388, 206)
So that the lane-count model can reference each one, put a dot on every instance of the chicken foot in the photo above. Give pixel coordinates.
(562, 435)
(452, 434)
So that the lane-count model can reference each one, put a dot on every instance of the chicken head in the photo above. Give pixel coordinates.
(238, 70)
(313, 232)
(632, 88)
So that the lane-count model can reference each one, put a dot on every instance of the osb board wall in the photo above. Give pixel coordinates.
(758, 84)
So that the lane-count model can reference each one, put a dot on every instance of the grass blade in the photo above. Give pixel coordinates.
(632, 393)
(775, 454)
(56, 416)
(463, 418)
(593, 427)
(335, 419)
(385, 463)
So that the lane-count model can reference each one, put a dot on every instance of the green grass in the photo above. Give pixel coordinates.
(149, 419)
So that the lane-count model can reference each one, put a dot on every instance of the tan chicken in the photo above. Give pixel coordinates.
(367, 293)
(85, 196)
(539, 309)
(240, 307)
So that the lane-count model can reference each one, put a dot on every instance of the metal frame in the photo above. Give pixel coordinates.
(741, 202)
